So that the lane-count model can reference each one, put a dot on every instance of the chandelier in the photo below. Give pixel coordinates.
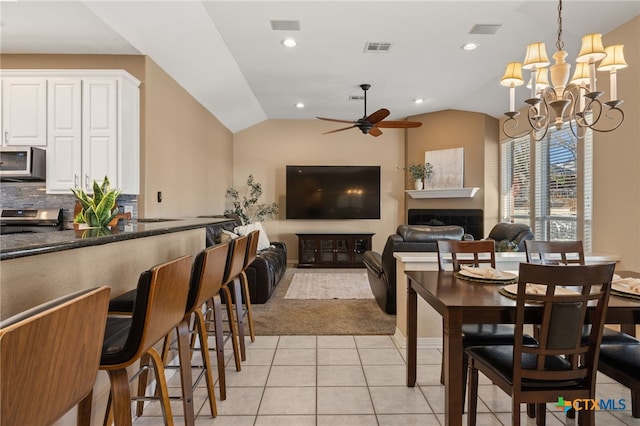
(576, 99)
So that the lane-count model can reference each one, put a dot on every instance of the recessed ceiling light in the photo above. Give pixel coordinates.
(299, 105)
(288, 42)
(418, 101)
(470, 46)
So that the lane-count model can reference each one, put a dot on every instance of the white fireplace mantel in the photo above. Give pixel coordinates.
(444, 193)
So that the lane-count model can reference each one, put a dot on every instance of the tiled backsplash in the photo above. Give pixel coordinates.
(20, 195)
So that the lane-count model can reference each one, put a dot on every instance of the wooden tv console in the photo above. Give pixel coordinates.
(337, 250)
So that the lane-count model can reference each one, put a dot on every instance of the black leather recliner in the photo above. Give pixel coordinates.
(516, 233)
(381, 268)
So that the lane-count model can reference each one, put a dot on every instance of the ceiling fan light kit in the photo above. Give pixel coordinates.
(371, 124)
(576, 99)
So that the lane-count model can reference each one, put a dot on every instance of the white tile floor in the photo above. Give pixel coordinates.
(348, 380)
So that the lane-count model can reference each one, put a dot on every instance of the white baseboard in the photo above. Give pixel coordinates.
(422, 343)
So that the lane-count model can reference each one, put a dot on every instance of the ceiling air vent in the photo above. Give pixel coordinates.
(377, 47)
(356, 98)
(486, 29)
(285, 25)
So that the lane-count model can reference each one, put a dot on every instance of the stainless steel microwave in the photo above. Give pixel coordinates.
(22, 163)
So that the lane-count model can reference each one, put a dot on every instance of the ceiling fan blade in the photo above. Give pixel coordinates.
(377, 116)
(398, 124)
(339, 130)
(336, 120)
(374, 131)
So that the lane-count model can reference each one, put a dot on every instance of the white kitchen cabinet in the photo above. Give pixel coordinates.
(92, 126)
(64, 151)
(24, 111)
(99, 132)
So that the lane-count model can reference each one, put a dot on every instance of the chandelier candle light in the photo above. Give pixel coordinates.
(578, 100)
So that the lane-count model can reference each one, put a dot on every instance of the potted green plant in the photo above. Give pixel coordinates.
(419, 172)
(97, 210)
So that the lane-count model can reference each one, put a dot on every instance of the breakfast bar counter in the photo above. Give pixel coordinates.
(39, 267)
(28, 244)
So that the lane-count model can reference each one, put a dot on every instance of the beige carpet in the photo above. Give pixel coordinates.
(332, 285)
(281, 317)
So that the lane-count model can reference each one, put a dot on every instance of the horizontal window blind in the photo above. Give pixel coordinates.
(515, 180)
(548, 184)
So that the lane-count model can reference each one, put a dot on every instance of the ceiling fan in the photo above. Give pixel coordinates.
(371, 124)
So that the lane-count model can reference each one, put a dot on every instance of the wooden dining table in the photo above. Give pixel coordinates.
(459, 302)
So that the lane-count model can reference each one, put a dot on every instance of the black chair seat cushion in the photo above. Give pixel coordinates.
(612, 337)
(123, 303)
(624, 358)
(491, 334)
(500, 360)
(123, 335)
(115, 339)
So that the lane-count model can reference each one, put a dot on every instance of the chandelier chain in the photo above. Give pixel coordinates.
(577, 102)
(559, 42)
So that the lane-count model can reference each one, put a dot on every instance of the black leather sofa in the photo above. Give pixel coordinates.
(266, 271)
(381, 268)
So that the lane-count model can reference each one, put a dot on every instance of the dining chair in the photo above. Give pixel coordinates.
(49, 357)
(474, 253)
(622, 364)
(560, 365)
(554, 252)
(569, 253)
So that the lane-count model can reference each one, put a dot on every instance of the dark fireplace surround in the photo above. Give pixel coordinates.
(472, 220)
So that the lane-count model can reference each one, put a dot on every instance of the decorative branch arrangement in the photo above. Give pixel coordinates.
(247, 208)
(420, 171)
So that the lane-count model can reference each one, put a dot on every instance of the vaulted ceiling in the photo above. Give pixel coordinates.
(230, 58)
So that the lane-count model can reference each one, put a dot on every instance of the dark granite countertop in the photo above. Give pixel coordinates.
(28, 244)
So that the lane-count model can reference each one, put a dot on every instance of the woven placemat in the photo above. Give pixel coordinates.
(505, 293)
(485, 280)
(623, 294)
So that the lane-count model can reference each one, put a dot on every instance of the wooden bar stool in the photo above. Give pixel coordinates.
(160, 300)
(207, 275)
(206, 284)
(206, 281)
(235, 266)
(252, 251)
(49, 358)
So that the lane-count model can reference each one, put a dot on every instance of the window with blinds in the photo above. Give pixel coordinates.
(548, 185)
(515, 180)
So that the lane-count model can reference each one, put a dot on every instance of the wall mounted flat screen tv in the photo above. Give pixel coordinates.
(333, 192)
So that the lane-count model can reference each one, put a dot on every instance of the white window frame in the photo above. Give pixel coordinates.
(538, 216)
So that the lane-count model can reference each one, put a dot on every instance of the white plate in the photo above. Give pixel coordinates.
(623, 289)
(502, 276)
(513, 289)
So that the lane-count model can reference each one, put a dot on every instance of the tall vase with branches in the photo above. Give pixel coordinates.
(247, 207)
